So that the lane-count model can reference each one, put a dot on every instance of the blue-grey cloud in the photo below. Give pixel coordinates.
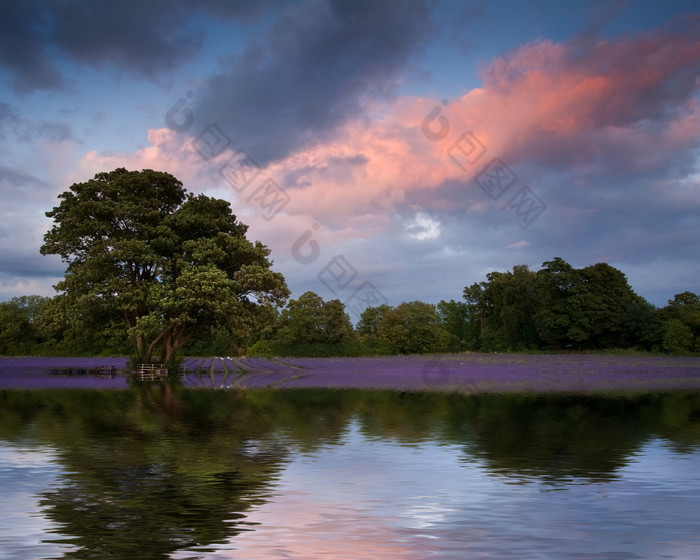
(315, 67)
(26, 130)
(144, 38)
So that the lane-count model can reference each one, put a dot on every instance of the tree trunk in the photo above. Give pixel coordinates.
(172, 342)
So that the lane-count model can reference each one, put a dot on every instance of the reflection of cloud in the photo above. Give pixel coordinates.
(305, 526)
(23, 474)
(424, 515)
(363, 499)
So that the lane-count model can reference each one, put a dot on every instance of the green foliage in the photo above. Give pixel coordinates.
(368, 329)
(309, 326)
(310, 320)
(681, 323)
(165, 263)
(409, 328)
(208, 291)
(454, 320)
(20, 325)
(678, 337)
(641, 326)
(261, 349)
(561, 307)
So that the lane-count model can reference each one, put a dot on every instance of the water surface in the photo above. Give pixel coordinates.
(163, 472)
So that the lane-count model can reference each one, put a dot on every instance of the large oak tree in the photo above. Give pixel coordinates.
(167, 262)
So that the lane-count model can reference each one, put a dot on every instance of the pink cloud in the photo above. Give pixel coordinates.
(613, 107)
(622, 107)
(167, 152)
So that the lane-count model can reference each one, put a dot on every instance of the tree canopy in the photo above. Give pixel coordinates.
(201, 284)
(166, 262)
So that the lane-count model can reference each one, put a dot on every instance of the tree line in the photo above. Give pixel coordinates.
(557, 308)
(157, 273)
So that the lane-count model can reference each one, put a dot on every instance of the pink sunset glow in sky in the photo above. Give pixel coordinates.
(407, 147)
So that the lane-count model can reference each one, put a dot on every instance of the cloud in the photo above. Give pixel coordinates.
(424, 227)
(320, 65)
(22, 269)
(544, 110)
(23, 47)
(27, 130)
(573, 105)
(604, 131)
(19, 178)
(144, 38)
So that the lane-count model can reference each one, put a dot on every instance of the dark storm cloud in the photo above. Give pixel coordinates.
(313, 69)
(23, 45)
(146, 38)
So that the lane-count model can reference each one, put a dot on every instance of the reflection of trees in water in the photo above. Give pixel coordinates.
(161, 472)
(557, 437)
(554, 437)
(550, 437)
(157, 469)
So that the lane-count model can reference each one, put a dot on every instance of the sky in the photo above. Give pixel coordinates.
(384, 151)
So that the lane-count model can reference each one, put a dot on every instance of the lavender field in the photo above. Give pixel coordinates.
(466, 373)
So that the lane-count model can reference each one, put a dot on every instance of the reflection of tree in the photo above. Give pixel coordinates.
(152, 472)
(158, 469)
(560, 436)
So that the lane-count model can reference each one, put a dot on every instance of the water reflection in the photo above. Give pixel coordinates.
(163, 472)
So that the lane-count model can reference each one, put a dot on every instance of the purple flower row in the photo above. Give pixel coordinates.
(456, 372)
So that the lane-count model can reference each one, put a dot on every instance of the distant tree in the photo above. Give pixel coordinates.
(20, 325)
(681, 323)
(412, 328)
(368, 328)
(584, 308)
(454, 319)
(478, 313)
(684, 299)
(515, 300)
(598, 301)
(558, 306)
(552, 318)
(678, 338)
(641, 326)
(311, 321)
(501, 309)
(168, 263)
(68, 333)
